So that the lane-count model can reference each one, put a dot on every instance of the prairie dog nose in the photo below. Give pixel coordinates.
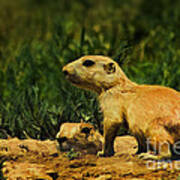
(68, 70)
(65, 71)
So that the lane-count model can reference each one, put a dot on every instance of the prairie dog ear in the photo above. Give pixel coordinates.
(110, 68)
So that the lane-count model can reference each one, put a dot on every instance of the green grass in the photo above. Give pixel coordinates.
(38, 37)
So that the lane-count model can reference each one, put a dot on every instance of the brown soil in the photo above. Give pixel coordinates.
(32, 159)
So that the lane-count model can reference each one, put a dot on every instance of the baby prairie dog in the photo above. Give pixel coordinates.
(151, 113)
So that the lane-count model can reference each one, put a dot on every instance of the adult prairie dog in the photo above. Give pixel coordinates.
(152, 113)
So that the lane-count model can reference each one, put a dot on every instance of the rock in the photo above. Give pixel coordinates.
(104, 177)
(19, 147)
(125, 145)
(80, 137)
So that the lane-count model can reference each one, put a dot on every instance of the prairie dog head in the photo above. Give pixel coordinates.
(97, 73)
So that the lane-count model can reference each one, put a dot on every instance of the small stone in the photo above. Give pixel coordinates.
(104, 177)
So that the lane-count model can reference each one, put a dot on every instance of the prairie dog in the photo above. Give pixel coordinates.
(152, 113)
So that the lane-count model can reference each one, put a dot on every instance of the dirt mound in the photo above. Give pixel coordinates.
(33, 159)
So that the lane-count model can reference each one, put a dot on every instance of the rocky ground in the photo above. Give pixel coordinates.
(38, 160)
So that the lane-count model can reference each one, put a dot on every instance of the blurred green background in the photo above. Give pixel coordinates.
(38, 37)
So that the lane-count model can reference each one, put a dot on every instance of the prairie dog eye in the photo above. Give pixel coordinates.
(88, 63)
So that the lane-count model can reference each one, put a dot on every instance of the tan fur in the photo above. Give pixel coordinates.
(151, 112)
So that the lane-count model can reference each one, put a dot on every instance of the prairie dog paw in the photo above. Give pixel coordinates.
(100, 154)
(148, 156)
